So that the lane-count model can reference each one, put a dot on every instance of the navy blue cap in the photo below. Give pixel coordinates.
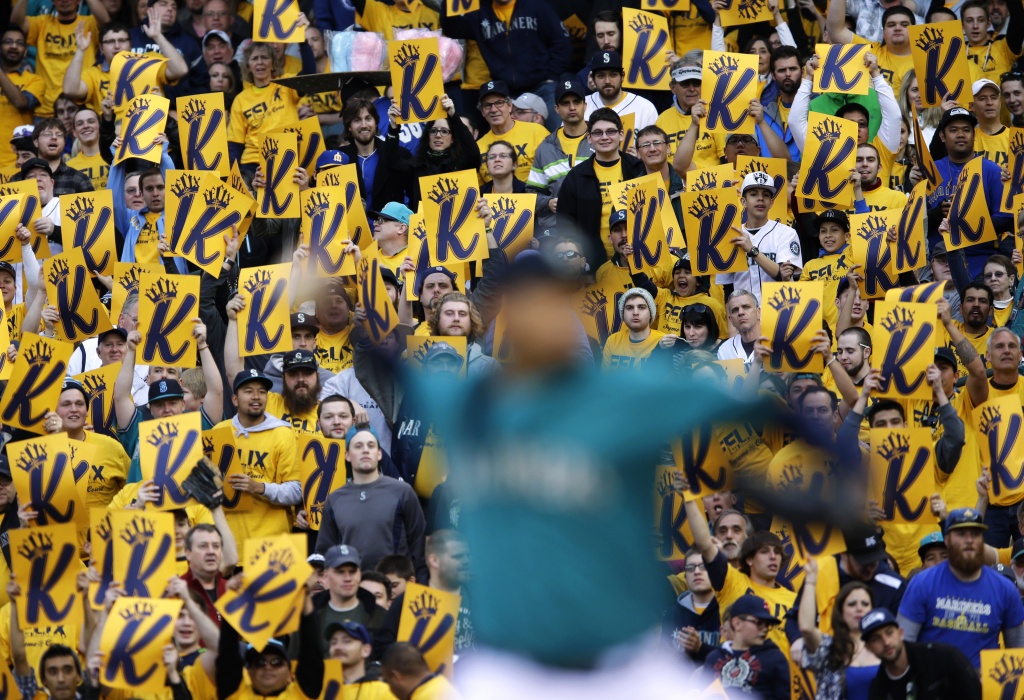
(388, 276)
(274, 646)
(331, 159)
(569, 87)
(304, 320)
(606, 60)
(250, 375)
(423, 274)
(1017, 550)
(494, 87)
(165, 389)
(946, 355)
(618, 217)
(70, 383)
(299, 359)
(439, 349)
(930, 540)
(876, 620)
(352, 629)
(835, 215)
(9, 268)
(116, 329)
(341, 554)
(752, 605)
(965, 517)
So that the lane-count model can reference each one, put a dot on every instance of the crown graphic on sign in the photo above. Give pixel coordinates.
(37, 546)
(207, 446)
(785, 298)
(317, 204)
(257, 555)
(503, 208)
(269, 148)
(749, 8)
(80, 208)
(280, 560)
(594, 301)
(930, 39)
(641, 23)
(898, 319)
(39, 353)
(260, 279)
(792, 476)
(94, 385)
(754, 166)
(444, 190)
(991, 417)
(139, 530)
(724, 65)
(704, 206)
(664, 484)
(164, 434)
(103, 528)
(1007, 668)
(186, 185)
(893, 446)
(420, 353)
(217, 198)
(425, 606)
(407, 55)
(705, 181)
(1017, 143)
(129, 281)
(637, 200)
(163, 291)
(138, 108)
(872, 226)
(193, 110)
(34, 457)
(137, 612)
(828, 130)
(623, 200)
(421, 230)
(59, 272)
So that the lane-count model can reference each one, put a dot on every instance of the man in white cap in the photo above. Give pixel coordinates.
(529, 108)
(217, 47)
(772, 248)
(630, 347)
(685, 86)
(991, 136)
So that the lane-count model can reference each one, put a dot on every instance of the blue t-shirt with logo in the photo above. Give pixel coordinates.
(968, 615)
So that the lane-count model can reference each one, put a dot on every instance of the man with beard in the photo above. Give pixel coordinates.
(777, 97)
(22, 89)
(89, 160)
(300, 391)
(962, 602)
(607, 73)
(334, 314)
(911, 670)
(383, 172)
(853, 351)
(693, 625)
(50, 138)
(976, 309)
(456, 315)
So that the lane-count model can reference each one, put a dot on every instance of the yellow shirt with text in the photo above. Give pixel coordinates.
(670, 310)
(94, 167)
(830, 269)
(334, 352)
(622, 353)
(384, 18)
(882, 198)
(524, 137)
(258, 110)
(779, 601)
(995, 147)
(108, 475)
(990, 60)
(55, 46)
(301, 423)
(606, 177)
(10, 117)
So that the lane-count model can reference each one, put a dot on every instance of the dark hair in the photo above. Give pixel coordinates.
(701, 318)
(397, 565)
(651, 129)
(12, 27)
(200, 527)
(334, 398)
(506, 144)
(754, 543)
(871, 146)
(604, 114)
(929, 18)
(982, 286)
(113, 27)
(440, 540)
(781, 53)
(818, 389)
(406, 659)
(352, 109)
(54, 123)
(753, 40)
(377, 577)
(58, 651)
(853, 107)
(898, 10)
(454, 151)
(148, 173)
(974, 4)
(841, 653)
(884, 405)
(863, 337)
(607, 16)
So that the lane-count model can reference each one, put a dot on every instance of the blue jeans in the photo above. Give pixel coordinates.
(1002, 526)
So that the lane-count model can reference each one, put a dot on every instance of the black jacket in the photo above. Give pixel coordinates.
(464, 154)
(579, 204)
(392, 180)
(707, 624)
(938, 672)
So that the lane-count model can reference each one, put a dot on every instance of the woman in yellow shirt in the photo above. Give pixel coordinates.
(1000, 274)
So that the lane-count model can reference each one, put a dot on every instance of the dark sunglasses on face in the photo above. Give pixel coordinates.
(567, 255)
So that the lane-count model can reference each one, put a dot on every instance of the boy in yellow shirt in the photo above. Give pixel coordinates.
(630, 347)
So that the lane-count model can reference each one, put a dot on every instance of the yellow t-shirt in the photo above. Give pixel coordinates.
(258, 110)
(710, 147)
(621, 352)
(670, 311)
(979, 341)
(524, 137)
(147, 247)
(334, 352)
(892, 67)
(55, 45)
(97, 86)
(302, 423)
(94, 167)
(26, 81)
(267, 456)
(197, 513)
(830, 269)
(384, 18)
(570, 144)
(1002, 316)
(611, 274)
(504, 12)
(379, 690)
(391, 262)
(606, 177)
(990, 60)
(108, 475)
(689, 30)
(203, 688)
(779, 601)
(995, 147)
(883, 198)
(958, 489)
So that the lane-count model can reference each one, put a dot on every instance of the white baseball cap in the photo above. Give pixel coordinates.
(758, 179)
(979, 84)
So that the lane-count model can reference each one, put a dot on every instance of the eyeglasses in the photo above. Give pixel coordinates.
(567, 255)
(438, 131)
(995, 274)
(12, 42)
(761, 624)
(742, 139)
(488, 106)
(51, 135)
(272, 662)
(651, 144)
(606, 132)
(690, 568)
(381, 220)
(499, 156)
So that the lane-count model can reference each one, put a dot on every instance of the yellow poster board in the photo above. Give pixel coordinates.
(169, 448)
(970, 222)
(264, 325)
(134, 636)
(415, 66)
(940, 58)
(45, 562)
(87, 222)
(728, 84)
(69, 287)
(43, 474)
(35, 383)
(277, 21)
(322, 470)
(167, 306)
(325, 230)
(902, 474)
(903, 338)
(430, 614)
(830, 155)
(841, 69)
(455, 233)
(711, 220)
(203, 132)
(791, 315)
(279, 198)
(999, 424)
(143, 551)
(144, 119)
(646, 38)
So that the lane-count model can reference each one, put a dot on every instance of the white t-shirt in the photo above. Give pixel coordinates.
(777, 242)
(732, 349)
(645, 112)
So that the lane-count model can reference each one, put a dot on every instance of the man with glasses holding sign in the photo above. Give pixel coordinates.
(525, 137)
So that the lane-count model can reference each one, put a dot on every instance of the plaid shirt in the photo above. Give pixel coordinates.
(67, 181)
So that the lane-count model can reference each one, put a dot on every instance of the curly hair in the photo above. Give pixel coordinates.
(476, 324)
(277, 62)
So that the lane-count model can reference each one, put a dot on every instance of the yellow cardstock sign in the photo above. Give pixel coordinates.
(902, 473)
(11, 206)
(729, 83)
(429, 614)
(1001, 671)
(969, 220)
(325, 231)
(126, 281)
(277, 21)
(133, 75)
(346, 177)
(699, 457)
(203, 132)
(842, 69)
(310, 141)
(628, 131)
(167, 305)
(455, 232)
(433, 465)
(812, 540)
(829, 158)
(322, 470)
(87, 222)
(416, 66)
(670, 223)
(928, 292)
(279, 198)
(69, 287)
(791, 316)
(940, 59)
(144, 119)
(776, 167)
(513, 222)
(670, 519)
(219, 448)
(275, 570)
(904, 338)
(870, 248)
(35, 383)
(238, 183)
(644, 231)
(791, 571)
(417, 250)
(922, 155)
(1018, 240)
(418, 345)
(45, 562)
(710, 220)
(44, 476)
(143, 551)
(745, 12)
(201, 211)
(457, 8)
(168, 450)
(264, 325)
(381, 316)
(1015, 185)
(6, 366)
(134, 636)
(645, 40)
(102, 555)
(714, 178)
(911, 246)
(29, 213)
(999, 424)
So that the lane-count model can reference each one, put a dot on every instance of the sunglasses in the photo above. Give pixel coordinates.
(567, 255)
(269, 661)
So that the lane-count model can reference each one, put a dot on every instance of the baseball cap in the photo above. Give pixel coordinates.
(932, 539)
(979, 84)
(493, 87)
(682, 73)
(217, 33)
(334, 288)
(833, 215)
(315, 559)
(70, 383)
(682, 261)
(864, 543)
(5, 469)
(876, 620)
(360, 428)
(341, 554)
(743, 137)
(441, 349)
(423, 274)
(952, 115)
(945, 355)
(388, 276)
(939, 248)
(250, 375)
(618, 217)
(393, 211)
(352, 629)
(963, 518)
(569, 87)
(606, 60)
(304, 320)
(116, 329)
(1016, 551)
(299, 359)
(530, 101)
(33, 163)
(754, 606)
(22, 139)
(759, 179)
(165, 389)
(9, 268)
(330, 159)
(274, 646)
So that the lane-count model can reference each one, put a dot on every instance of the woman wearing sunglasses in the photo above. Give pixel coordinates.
(447, 146)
